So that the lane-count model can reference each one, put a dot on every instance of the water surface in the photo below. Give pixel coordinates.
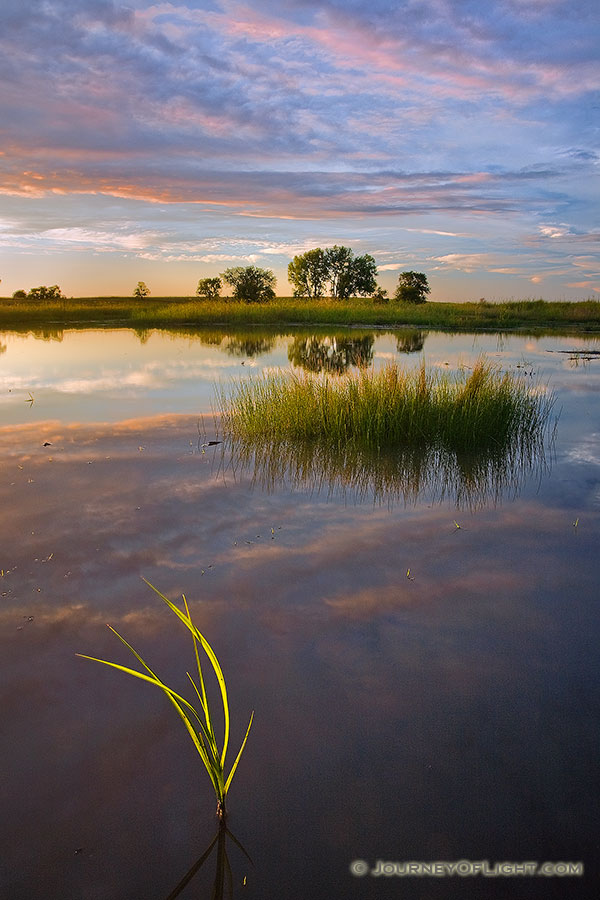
(424, 674)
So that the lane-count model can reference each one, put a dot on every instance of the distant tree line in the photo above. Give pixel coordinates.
(335, 272)
(41, 293)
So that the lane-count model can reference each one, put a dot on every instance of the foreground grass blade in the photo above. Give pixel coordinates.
(213, 660)
(199, 724)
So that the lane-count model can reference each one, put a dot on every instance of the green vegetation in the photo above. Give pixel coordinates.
(308, 273)
(347, 275)
(413, 287)
(387, 409)
(390, 435)
(200, 725)
(250, 283)
(141, 290)
(40, 294)
(166, 312)
(209, 288)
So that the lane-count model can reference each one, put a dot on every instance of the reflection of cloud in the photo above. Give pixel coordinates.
(587, 450)
(154, 374)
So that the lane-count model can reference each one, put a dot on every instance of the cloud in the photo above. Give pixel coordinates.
(299, 112)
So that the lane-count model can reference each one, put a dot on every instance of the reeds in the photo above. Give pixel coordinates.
(391, 408)
(200, 724)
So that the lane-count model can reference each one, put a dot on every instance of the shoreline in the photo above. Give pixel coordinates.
(527, 316)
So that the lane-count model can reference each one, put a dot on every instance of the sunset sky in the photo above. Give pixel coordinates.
(168, 142)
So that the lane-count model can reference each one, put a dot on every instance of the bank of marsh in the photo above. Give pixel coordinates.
(389, 408)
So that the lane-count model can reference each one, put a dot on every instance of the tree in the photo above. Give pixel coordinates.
(309, 274)
(350, 275)
(45, 293)
(339, 264)
(20, 295)
(364, 276)
(142, 290)
(209, 288)
(250, 284)
(413, 287)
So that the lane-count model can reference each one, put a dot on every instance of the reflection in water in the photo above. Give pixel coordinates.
(223, 882)
(144, 334)
(471, 480)
(410, 341)
(241, 345)
(331, 354)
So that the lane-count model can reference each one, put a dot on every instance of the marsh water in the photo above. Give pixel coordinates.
(423, 664)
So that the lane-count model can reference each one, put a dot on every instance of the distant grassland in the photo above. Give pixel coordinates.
(166, 312)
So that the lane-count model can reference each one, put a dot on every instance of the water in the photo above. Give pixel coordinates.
(424, 675)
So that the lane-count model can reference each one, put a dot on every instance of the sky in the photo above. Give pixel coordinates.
(167, 142)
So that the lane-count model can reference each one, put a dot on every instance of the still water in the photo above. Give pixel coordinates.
(424, 670)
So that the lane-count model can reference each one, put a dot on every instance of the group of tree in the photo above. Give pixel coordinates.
(41, 293)
(335, 272)
(250, 284)
(336, 269)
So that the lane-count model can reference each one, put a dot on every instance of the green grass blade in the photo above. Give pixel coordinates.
(213, 660)
(204, 699)
(237, 759)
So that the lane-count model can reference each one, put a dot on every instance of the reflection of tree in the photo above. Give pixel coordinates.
(2, 348)
(240, 345)
(144, 334)
(410, 341)
(48, 333)
(331, 354)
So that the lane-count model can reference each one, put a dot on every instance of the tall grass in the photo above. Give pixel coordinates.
(390, 435)
(200, 724)
(165, 312)
(385, 409)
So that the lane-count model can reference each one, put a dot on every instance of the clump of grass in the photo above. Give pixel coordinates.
(200, 724)
(391, 408)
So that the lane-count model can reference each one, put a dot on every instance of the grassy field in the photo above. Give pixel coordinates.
(388, 408)
(167, 312)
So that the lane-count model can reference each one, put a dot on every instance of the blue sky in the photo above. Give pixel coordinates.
(165, 142)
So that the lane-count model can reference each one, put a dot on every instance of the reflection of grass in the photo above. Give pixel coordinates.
(469, 480)
(390, 434)
(200, 725)
(389, 408)
(223, 883)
